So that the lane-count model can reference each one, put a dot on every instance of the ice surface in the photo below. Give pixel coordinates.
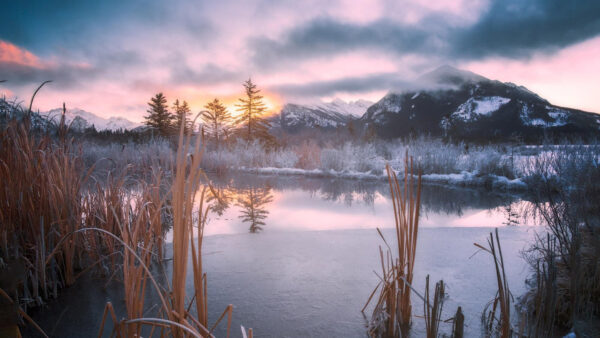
(313, 284)
(310, 271)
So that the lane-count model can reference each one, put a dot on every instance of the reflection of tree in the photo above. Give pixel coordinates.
(253, 202)
(219, 199)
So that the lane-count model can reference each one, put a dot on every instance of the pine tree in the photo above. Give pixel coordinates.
(217, 119)
(182, 113)
(252, 125)
(159, 117)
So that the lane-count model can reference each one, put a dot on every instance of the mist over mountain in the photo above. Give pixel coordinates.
(448, 102)
(465, 105)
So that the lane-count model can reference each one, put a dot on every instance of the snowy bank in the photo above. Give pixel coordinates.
(465, 178)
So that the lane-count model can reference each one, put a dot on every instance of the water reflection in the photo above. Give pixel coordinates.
(219, 199)
(251, 202)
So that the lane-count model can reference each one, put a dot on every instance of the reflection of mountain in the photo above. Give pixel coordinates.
(253, 202)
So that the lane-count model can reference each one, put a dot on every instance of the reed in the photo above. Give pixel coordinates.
(496, 316)
(391, 316)
(59, 221)
(433, 313)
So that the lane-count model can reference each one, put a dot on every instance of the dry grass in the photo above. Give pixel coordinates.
(496, 316)
(57, 222)
(391, 316)
(433, 313)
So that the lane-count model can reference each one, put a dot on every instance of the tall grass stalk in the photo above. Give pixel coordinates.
(391, 316)
(496, 316)
(433, 313)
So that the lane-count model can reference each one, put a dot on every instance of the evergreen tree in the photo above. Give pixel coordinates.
(252, 125)
(217, 119)
(158, 116)
(182, 114)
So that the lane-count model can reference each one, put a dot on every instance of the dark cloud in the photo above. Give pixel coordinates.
(516, 28)
(43, 26)
(66, 75)
(62, 76)
(381, 81)
(325, 36)
(512, 28)
(210, 73)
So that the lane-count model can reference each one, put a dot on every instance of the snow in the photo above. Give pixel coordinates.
(465, 178)
(415, 96)
(323, 114)
(100, 123)
(558, 117)
(350, 108)
(479, 106)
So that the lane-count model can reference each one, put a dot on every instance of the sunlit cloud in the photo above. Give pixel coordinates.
(110, 57)
(10, 53)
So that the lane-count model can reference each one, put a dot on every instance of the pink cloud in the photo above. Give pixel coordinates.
(10, 53)
(568, 78)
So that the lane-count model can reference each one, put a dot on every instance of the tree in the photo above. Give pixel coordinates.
(159, 117)
(252, 125)
(217, 119)
(182, 114)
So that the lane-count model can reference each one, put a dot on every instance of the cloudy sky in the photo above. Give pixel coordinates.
(109, 57)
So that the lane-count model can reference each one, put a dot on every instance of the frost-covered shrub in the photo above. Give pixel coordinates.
(309, 155)
(366, 159)
(333, 159)
(284, 159)
(352, 157)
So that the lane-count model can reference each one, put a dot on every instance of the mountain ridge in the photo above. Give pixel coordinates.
(81, 119)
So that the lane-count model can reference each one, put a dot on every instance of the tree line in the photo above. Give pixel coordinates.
(218, 124)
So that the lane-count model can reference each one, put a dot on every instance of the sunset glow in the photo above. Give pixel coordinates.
(307, 52)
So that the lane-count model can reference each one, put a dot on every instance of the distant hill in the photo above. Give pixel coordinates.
(464, 105)
(80, 119)
(325, 115)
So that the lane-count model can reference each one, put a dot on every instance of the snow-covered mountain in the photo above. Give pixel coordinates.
(464, 105)
(80, 119)
(332, 114)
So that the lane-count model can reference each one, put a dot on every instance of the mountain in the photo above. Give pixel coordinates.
(326, 115)
(80, 119)
(464, 105)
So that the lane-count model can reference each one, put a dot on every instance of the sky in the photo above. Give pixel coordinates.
(109, 57)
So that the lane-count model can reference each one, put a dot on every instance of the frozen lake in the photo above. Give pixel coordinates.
(310, 269)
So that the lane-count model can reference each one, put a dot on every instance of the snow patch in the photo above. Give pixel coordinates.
(481, 106)
(556, 117)
(465, 178)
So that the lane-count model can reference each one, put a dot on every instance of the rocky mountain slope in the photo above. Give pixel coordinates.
(324, 115)
(464, 105)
